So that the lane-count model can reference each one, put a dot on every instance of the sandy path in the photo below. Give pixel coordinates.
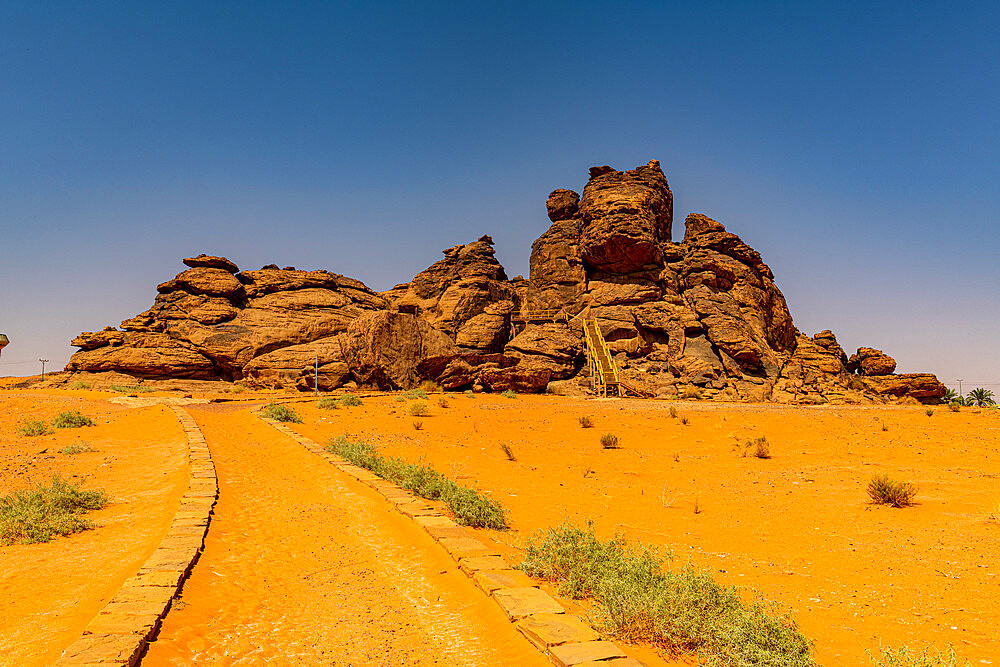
(303, 565)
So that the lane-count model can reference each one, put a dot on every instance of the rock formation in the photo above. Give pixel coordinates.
(702, 316)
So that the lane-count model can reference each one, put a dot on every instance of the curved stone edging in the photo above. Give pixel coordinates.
(563, 638)
(120, 632)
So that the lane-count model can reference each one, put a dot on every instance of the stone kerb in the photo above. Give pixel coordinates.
(123, 628)
(563, 638)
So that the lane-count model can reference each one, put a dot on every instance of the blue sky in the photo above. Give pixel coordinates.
(855, 145)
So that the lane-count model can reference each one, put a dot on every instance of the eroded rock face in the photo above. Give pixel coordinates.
(209, 323)
(626, 216)
(700, 317)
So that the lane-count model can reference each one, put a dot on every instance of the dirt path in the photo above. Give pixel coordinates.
(303, 565)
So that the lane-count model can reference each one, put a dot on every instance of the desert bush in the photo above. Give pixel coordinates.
(328, 403)
(443, 402)
(41, 513)
(350, 400)
(133, 389)
(995, 514)
(929, 412)
(609, 441)
(684, 611)
(885, 491)
(238, 388)
(885, 427)
(509, 393)
(418, 409)
(902, 657)
(685, 421)
(418, 424)
(79, 385)
(77, 449)
(508, 451)
(468, 393)
(470, 507)
(673, 412)
(399, 399)
(586, 422)
(281, 413)
(72, 419)
(954, 406)
(760, 448)
(691, 392)
(33, 428)
(414, 394)
(430, 387)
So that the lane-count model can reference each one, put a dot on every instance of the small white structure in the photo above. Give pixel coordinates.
(4, 341)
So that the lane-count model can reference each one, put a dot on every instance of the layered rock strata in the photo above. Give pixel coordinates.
(699, 317)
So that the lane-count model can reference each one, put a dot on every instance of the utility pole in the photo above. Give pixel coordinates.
(44, 361)
(316, 386)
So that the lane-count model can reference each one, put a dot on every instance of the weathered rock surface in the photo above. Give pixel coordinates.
(700, 317)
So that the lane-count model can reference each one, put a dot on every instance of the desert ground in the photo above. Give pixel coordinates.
(300, 559)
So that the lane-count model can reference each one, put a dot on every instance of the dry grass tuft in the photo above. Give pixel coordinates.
(885, 491)
(41, 513)
(508, 451)
(585, 422)
(609, 441)
(418, 424)
(418, 409)
(760, 448)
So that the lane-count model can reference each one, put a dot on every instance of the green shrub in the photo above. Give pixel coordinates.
(430, 387)
(72, 419)
(79, 385)
(350, 400)
(77, 449)
(328, 403)
(281, 413)
(238, 388)
(902, 657)
(585, 422)
(415, 394)
(443, 402)
(468, 393)
(885, 491)
(399, 399)
(509, 393)
(41, 513)
(681, 612)
(418, 409)
(609, 441)
(33, 428)
(133, 389)
(685, 421)
(673, 412)
(929, 412)
(418, 424)
(954, 406)
(470, 507)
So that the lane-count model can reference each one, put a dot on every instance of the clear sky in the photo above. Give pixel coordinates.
(855, 145)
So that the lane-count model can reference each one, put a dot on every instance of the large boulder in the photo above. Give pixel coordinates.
(874, 362)
(145, 355)
(384, 348)
(626, 216)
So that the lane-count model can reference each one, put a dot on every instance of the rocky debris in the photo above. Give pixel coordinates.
(874, 362)
(701, 317)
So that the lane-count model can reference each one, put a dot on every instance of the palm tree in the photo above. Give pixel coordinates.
(950, 396)
(981, 397)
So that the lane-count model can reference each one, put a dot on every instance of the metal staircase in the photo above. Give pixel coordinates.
(603, 370)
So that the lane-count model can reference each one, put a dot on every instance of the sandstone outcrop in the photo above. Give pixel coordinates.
(697, 317)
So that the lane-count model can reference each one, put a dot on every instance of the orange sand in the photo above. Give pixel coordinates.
(304, 565)
(797, 527)
(50, 592)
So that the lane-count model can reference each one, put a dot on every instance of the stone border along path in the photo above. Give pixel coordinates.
(564, 638)
(121, 631)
